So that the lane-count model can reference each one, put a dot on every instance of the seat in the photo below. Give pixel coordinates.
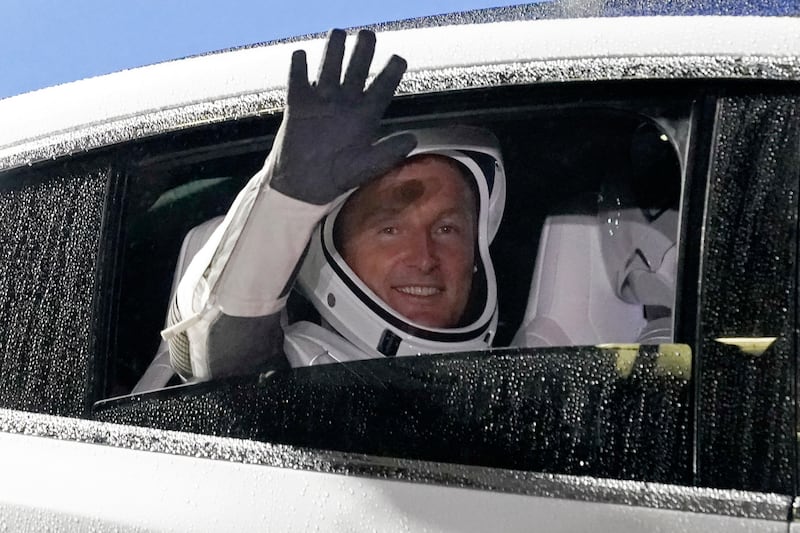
(160, 371)
(573, 300)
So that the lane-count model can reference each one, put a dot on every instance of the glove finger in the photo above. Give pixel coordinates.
(298, 77)
(330, 72)
(360, 60)
(376, 161)
(380, 91)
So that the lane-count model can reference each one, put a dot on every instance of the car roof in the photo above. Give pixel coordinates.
(546, 42)
(564, 9)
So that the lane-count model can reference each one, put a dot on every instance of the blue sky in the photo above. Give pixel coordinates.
(47, 42)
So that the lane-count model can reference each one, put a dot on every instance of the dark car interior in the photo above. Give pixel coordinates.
(554, 155)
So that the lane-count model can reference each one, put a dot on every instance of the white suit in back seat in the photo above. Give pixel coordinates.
(572, 300)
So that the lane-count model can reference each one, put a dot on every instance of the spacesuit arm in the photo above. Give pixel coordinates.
(225, 318)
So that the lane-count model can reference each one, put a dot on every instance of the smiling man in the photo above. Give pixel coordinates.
(410, 236)
(396, 229)
(402, 267)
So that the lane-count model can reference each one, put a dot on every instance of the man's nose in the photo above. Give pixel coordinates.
(421, 252)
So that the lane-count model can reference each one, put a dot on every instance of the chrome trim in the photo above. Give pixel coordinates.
(149, 124)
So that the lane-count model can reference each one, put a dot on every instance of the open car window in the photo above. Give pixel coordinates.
(586, 253)
(593, 195)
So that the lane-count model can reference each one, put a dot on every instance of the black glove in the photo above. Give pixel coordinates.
(324, 146)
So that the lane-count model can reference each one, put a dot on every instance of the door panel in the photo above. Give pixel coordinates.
(71, 485)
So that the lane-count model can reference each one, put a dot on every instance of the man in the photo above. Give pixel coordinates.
(410, 237)
(410, 272)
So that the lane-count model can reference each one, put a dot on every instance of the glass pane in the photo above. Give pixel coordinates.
(619, 411)
(746, 409)
(50, 223)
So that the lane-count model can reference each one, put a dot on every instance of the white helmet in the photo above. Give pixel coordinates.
(360, 316)
(639, 220)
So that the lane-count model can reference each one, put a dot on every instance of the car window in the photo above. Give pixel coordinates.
(603, 171)
(603, 176)
(51, 218)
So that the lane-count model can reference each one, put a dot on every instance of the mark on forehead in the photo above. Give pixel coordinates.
(408, 192)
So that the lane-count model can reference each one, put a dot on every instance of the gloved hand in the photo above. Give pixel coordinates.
(324, 146)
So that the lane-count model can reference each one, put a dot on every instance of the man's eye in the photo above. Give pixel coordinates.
(389, 230)
(447, 228)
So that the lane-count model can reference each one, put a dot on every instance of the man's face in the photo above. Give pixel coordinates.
(410, 236)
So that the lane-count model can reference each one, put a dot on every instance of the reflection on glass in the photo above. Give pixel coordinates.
(748, 345)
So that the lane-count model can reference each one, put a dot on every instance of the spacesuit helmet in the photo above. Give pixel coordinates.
(352, 309)
(639, 220)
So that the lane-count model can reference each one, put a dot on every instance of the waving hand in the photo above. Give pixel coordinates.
(326, 143)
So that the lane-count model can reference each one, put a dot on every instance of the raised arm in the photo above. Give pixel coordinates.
(225, 316)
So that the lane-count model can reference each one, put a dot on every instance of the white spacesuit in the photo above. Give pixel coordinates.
(227, 317)
(257, 265)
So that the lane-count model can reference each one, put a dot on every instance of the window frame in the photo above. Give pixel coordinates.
(463, 104)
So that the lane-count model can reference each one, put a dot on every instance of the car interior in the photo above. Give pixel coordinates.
(572, 170)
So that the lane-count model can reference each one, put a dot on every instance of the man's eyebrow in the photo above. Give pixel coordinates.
(384, 212)
(379, 213)
(458, 211)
